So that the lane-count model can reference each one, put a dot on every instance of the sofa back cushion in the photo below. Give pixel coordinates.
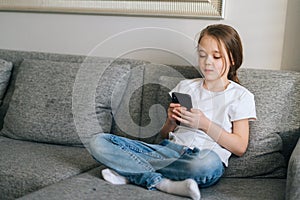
(17, 57)
(48, 103)
(156, 100)
(127, 115)
(264, 154)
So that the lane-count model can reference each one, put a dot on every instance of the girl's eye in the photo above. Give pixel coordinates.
(217, 57)
(202, 55)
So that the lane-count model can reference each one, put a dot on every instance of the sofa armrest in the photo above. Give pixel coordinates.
(293, 175)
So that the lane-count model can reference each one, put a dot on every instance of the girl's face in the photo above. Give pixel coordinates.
(213, 62)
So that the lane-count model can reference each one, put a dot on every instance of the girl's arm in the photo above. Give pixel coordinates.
(170, 123)
(236, 142)
(167, 128)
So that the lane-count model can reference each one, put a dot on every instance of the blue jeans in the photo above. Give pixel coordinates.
(147, 164)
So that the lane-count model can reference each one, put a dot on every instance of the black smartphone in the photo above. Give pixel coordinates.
(183, 99)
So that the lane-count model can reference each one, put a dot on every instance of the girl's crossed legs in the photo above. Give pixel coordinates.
(150, 165)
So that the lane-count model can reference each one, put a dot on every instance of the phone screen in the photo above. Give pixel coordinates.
(184, 100)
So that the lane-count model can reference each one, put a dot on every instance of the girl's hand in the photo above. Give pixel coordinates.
(173, 107)
(194, 118)
(170, 123)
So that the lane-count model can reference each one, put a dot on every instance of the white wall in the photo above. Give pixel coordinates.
(261, 25)
(291, 48)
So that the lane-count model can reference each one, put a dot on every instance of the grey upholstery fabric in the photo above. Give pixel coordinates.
(5, 72)
(28, 166)
(126, 121)
(293, 176)
(97, 95)
(17, 57)
(90, 185)
(245, 188)
(289, 141)
(54, 102)
(281, 80)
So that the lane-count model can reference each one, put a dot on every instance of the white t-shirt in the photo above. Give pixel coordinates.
(232, 104)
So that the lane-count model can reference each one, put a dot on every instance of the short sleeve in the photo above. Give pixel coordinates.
(186, 86)
(243, 107)
(177, 88)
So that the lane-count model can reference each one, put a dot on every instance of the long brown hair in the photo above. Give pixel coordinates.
(231, 40)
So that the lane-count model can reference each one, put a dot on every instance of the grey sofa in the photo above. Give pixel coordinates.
(52, 104)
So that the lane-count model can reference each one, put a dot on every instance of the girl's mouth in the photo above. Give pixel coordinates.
(208, 70)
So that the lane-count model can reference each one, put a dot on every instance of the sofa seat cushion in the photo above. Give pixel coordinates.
(246, 188)
(90, 185)
(63, 102)
(28, 166)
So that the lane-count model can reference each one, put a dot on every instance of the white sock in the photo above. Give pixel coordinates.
(113, 177)
(187, 188)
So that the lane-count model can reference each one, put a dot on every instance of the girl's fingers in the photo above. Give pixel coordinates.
(183, 114)
(189, 118)
(177, 112)
(181, 120)
(173, 105)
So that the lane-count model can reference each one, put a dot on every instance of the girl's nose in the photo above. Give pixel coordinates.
(208, 60)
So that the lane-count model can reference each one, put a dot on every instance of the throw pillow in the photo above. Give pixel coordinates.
(54, 101)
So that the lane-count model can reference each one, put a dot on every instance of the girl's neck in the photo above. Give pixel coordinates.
(216, 86)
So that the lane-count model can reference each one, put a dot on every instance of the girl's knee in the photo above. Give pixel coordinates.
(206, 164)
(98, 141)
(211, 158)
(207, 168)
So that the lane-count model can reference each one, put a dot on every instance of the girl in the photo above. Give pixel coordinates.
(195, 152)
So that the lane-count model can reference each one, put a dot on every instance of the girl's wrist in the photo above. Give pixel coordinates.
(204, 125)
(171, 122)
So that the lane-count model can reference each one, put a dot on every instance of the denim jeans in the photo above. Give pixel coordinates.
(147, 164)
